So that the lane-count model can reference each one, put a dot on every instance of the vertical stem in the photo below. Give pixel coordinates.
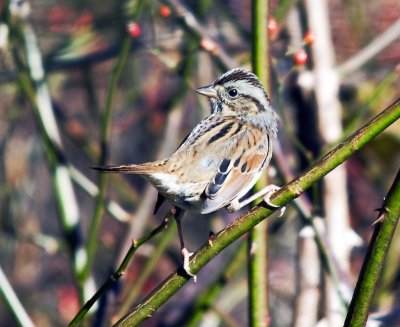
(33, 83)
(105, 135)
(260, 57)
(375, 257)
(257, 268)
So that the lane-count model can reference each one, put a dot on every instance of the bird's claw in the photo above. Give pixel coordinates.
(267, 196)
(233, 206)
(186, 256)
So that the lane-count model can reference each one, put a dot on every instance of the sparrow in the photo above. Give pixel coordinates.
(223, 156)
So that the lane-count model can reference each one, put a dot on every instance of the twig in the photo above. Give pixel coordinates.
(385, 226)
(244, 223)
(145, 271)
(13, 303)
(105, 134)
(119, 272)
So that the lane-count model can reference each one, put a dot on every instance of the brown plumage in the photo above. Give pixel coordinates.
(224, 155)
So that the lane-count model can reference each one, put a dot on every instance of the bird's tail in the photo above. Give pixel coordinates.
(126, 169)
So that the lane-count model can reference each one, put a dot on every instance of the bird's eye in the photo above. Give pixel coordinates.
(233, 93)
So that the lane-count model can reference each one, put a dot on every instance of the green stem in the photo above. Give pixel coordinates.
(257, 214)
(257, 242)
(260, 60)
(13, 303)
(119, 272)
(105, 135)
(375, 257)
(148, 268)
(258, 276)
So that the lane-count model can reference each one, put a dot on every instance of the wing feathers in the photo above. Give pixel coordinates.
(238, 173)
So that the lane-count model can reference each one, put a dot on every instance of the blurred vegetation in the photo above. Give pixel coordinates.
(143, 116)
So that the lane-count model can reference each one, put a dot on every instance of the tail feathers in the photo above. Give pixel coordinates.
(125, 169)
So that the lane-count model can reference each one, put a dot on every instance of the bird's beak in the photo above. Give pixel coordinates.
(208, 91)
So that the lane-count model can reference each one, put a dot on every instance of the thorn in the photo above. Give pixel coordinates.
(381, 217)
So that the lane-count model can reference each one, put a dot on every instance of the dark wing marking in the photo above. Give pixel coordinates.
(224, 165)
(242, 172)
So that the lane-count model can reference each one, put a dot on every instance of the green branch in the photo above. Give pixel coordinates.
(246, 222)
(105, 135)
(119, 272)
(257, 242)
(375, 257)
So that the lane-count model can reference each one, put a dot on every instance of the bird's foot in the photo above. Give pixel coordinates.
(271, 190)
(186, 256)
(234, 206)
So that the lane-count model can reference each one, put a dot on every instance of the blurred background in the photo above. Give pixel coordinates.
(83, 82)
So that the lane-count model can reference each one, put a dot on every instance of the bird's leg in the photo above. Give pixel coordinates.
(266, 193)
(185, 253)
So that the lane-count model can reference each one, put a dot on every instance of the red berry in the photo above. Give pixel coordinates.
(134, 29)
(300, 58)
(165, 11)
(67, 301)
(209, 45)
(272, 27)
(309, 38)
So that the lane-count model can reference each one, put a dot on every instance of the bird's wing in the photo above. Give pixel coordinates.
(239, 169)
